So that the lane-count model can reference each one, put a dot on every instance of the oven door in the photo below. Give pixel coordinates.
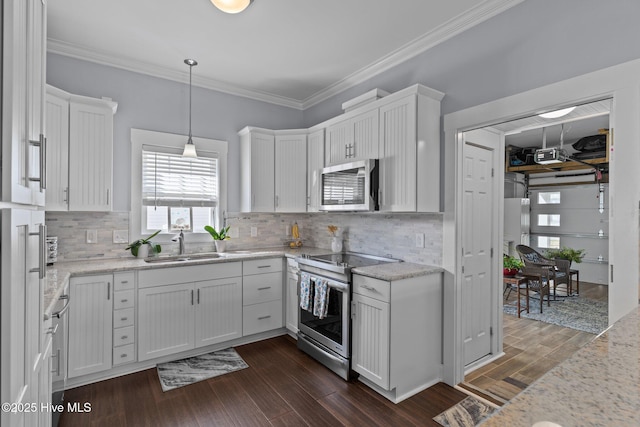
(333, 331)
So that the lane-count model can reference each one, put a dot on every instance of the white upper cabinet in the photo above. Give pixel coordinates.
(257, 155)
(291, 173)
(355, 138)
(410, 151)
(80, 154)
(23, 75)
(315, 163)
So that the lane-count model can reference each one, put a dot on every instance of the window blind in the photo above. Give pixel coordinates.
(172, 180)
(343, 188)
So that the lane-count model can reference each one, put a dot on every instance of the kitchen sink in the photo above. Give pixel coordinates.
(182, 258)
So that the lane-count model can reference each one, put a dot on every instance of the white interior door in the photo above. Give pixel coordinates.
(478, 213)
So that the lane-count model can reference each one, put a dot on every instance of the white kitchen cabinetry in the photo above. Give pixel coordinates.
(80, 154)
(262, 295)
(175, 316)
(257, 178)
(355, 138)
(124, 304)
(23, 76)
(397, 334)
(290, 172)
(90, 324)
(315, 163)
(410, 150)
(291, 301)
(45, 384)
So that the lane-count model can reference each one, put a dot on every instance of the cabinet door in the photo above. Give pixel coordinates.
(44, 389)
(292, 302)
(315, 163)
(20, 329)
(57, 131)
(370, 342)
(218, 314)
(165, 320)
(262, 173)
(91, 157)
(365, 136)
(291, 169)
(90, 328)
(22, 90)
(398, 179)
(339, 139)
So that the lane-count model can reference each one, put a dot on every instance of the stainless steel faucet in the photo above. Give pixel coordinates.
(180, 239)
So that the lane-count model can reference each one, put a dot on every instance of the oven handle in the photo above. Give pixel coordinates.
(61, 313)
(344, 287)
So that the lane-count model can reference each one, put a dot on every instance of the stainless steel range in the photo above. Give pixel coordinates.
(327, 337)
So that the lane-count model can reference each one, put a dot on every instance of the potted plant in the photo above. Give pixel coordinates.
(141, 248)
(570, 254)
(511, 265)
(219, 237)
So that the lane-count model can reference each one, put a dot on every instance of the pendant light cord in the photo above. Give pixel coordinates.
(190, 72)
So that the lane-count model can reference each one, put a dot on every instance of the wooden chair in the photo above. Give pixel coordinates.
(559, 269)
(538, 280)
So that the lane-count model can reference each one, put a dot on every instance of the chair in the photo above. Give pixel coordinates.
(558, 269)
(538, 280)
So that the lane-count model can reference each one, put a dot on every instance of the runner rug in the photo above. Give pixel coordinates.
(467, 413)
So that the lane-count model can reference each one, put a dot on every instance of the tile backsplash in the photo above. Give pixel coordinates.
(376, 233)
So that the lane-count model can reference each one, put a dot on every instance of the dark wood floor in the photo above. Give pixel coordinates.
(532, 348)
(281, 387)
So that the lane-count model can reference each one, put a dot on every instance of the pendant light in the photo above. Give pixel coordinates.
(231, 6)
(189, 147)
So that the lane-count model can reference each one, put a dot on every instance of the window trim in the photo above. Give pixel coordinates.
(140, 137)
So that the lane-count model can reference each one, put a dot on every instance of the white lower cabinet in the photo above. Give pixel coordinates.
(178, 317)
(44, 379)
(124, 303)
(397, 333)
(291, 298)
(262, 296)
(90, 324)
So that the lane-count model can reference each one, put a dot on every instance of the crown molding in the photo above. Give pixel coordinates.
(447, 30)
(82, 53)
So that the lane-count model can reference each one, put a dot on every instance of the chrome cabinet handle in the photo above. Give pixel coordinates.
(65, 198)
(198, 295)
(107, 196)
(124, 300)
(264, 288)
(61, 313)
(124, 337)
(264, 317)
(108, 290)
(42, 144)
(369, 288)
(57, 356)
(264, 266)
(122, 356)
(191, 296)
(124, 282)
(42, 251)
(122, 319)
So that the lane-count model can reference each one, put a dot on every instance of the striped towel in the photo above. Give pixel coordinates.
(305, 291)
(321, 299)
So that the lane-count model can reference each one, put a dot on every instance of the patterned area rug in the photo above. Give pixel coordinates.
(188, 371)
(572, 312)
(467, 413)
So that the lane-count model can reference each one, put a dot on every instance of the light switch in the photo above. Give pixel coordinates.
(92, 236)
(120, 236)
(419, 240)
(254, 231)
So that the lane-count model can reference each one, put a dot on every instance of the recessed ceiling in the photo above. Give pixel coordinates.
(290, 52)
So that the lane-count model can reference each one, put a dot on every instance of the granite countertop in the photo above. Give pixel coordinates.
(58, 275)
(598, 386)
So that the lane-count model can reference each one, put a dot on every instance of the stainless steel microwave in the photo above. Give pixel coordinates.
(351, 186)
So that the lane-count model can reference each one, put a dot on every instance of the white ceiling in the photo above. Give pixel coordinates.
(289, 52)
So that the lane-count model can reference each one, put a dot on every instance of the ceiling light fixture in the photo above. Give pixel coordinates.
(189, 147)
(231, 6)
(557, 113)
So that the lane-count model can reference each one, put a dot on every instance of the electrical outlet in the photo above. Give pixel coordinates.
(254, 231)
(419, 240)
(120, 236)
(287, 230)
(92, 236)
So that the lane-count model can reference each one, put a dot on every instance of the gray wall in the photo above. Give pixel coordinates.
(535, 43)
(161, 105)
(530, 45)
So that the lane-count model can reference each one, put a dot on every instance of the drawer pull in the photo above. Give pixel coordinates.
(369, 288)
(122, 319)
(264, 266)
(122, 356)
(264, 288)
(124, 282)
(264, 317)
(124, 300)
(124, 337)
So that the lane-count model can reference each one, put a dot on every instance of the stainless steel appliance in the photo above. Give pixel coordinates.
(60, 327)
(351, 186)
(328, 340)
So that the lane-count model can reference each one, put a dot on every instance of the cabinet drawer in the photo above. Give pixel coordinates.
(123, 317)
(124, 281)
(373, 288)
(259, 266)
(261, 317)
(261, 288)
(123, 299)
(124, 354)
(123, 336)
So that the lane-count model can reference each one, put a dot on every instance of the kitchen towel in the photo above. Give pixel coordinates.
(321, 298)
(305, 291)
